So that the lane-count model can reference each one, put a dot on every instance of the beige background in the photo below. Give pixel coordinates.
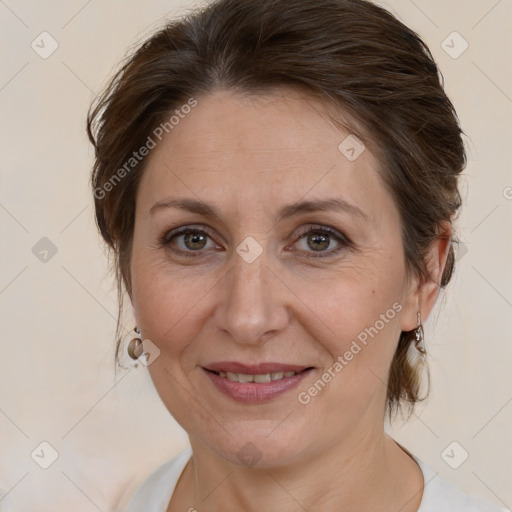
(57, 382)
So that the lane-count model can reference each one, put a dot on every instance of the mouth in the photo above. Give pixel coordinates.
(255, 383)
(262, 372)
(257, 377)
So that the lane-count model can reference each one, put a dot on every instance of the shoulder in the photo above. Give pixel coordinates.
(442, 496)
(155, 492)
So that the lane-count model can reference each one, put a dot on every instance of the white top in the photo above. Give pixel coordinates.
(156, 491)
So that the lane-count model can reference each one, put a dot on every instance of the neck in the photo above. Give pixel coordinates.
(362, 473)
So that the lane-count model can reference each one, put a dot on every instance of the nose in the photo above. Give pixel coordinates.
(252, 302)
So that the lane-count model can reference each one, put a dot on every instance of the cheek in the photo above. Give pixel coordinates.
(355, 296)
(361, 326)
(169, 302)
(358, 311)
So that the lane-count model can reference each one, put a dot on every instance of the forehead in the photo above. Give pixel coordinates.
(260, 151)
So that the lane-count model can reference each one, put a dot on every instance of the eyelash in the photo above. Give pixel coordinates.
(166, 239)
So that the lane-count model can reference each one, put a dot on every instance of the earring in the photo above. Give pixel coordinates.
(418, 332)
(135, 346)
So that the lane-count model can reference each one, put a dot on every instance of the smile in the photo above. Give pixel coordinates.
(263, 377)
(255, 388)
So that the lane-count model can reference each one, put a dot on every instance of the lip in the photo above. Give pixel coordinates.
(253, 369)
(256, 392)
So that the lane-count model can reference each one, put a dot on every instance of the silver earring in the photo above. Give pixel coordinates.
(135, 346)
(420, 340)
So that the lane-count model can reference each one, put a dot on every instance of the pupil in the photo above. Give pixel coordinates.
(319, 237)
(195, 238)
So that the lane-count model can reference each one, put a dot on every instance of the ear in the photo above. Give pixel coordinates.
(422, 294)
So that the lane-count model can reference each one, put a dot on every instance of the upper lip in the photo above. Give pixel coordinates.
(253, 369)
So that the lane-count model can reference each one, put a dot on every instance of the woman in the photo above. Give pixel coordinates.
(277, 180)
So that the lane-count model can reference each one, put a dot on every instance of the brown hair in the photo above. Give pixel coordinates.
(351, 54)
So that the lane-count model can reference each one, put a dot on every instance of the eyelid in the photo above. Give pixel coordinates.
(326, 229)
(169, 235)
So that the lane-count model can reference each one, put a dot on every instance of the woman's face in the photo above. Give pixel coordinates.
(248, 286)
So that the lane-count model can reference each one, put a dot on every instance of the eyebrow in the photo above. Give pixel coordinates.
(323, 205)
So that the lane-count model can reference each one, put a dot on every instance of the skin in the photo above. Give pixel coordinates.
(248, 156)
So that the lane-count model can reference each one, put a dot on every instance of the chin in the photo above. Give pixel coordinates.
(256, 448)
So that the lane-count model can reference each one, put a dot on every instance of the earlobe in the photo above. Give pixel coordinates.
(411, 306)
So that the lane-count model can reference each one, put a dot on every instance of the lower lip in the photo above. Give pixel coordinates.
(255, 392)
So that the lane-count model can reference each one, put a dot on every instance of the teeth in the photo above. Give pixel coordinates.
(265, 377)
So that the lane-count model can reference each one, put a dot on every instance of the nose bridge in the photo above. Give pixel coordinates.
(250, 306)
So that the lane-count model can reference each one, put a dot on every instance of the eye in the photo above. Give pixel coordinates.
(190, 242)
(319, 238)
(193, 242)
